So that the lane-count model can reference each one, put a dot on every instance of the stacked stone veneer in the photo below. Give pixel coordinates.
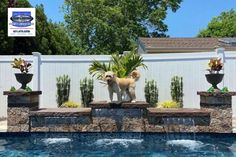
(24, 115)
(177, 120)
(112, 117)
(20, 104)
(220, 107)
(60, 120)
(101, 117)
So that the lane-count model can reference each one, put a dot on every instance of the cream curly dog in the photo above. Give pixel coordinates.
(120, 86)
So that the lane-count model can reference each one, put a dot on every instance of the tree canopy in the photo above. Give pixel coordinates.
(222, 26)
(113, 26)
(51, 38)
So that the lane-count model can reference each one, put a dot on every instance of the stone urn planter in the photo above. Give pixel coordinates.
(23, 78)
(214, 79)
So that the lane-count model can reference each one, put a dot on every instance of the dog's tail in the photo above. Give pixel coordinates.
(135, 74)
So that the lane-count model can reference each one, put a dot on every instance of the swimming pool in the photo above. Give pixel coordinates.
(117, 144)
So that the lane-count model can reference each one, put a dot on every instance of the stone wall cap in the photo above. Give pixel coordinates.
(128, 105)
(218, 94)
(60, 112)
(21, 93)
(177, 112)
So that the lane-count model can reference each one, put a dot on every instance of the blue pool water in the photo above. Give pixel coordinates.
(117, 145)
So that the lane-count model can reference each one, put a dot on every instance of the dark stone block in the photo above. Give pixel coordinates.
(216, 94)
(62, 112)
(187, 117)
(186, 121)
(214, 100)
(117, 113)
(58, 121)
(126, 105)
(177, 112)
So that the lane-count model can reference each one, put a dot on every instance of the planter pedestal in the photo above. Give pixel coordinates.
(220, 106)
(19, 106)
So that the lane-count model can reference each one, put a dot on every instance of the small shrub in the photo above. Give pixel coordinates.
(63, 89)
(177, 90)
(27, 89)
(13, 89)
(86, 89)
(151, 92)
(70, 104)
(168, 104)
(224, 90)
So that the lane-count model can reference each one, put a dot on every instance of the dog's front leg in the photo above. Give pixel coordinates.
(119, 97)
(111, 96)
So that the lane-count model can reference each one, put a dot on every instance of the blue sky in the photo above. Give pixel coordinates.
(192, 16)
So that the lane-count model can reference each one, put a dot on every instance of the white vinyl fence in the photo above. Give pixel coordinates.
(161, 67)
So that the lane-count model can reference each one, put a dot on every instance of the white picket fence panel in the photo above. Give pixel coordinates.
(161, 67)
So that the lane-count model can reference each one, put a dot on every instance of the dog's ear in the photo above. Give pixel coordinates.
(103, 77)
(114, 75)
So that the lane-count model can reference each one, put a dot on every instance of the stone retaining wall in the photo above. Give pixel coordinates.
(24, 116)
(220, 107)
(19, 106)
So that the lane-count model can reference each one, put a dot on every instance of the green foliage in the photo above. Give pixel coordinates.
(105, 26)
(177, 90)
(70, 104)
(98, 69)
(86, 89)
(6, 43)
(211, 90)
(169, 104)
(63, 89)
(51, 38)
(27, 89)
(223, 90)
(151, 92)
(121, 65)
(13, 89)
(221, 26)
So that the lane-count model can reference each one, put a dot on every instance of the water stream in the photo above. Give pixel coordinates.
(169, 122)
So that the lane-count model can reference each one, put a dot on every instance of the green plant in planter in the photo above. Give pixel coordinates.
(63, 89)
(215, 65)
(214, 77)
(86, 89)
(24, 77)
(177, 90)
(151, 92)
